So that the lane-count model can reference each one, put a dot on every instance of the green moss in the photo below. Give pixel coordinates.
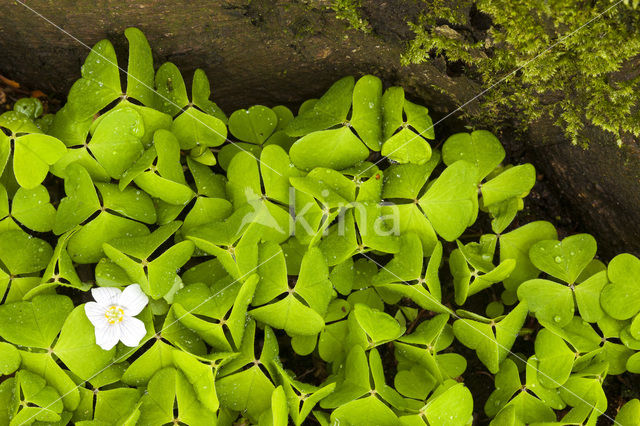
(302, 29)
(568, 54)
(348, 10)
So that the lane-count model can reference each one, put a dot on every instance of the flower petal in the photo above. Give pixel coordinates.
(96, 314)
(106, 296)
(108, 336)
(132, 330)
(133, 300)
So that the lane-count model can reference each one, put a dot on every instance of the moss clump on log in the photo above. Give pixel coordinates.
(583, 54)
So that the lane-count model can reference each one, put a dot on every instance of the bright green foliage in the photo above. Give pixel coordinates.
(477, 257)
(367, 109)
(10, 358)
(491, 339)
(623, 287)
(516, 245)
(35, 323)
(33, 400)
(451, 211)
(340, 149)
(253, 125)
(290, 276)
(33, 152)
(553, 302)
(511, 402)
(555, 359)
(480, 148)
(629, 414)
(408, 144)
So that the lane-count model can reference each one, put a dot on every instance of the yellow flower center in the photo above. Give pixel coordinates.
(114, 314)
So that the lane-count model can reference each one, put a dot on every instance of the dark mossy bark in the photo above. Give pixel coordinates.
(600, 184)
(270, 51)
(285, 51)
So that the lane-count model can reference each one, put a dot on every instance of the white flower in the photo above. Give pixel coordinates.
(112, 315)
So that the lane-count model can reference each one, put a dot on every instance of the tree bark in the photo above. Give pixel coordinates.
(269, 52)
(285, 51)
(600, 185)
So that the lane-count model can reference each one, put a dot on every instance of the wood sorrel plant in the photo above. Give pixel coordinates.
(298, 269)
